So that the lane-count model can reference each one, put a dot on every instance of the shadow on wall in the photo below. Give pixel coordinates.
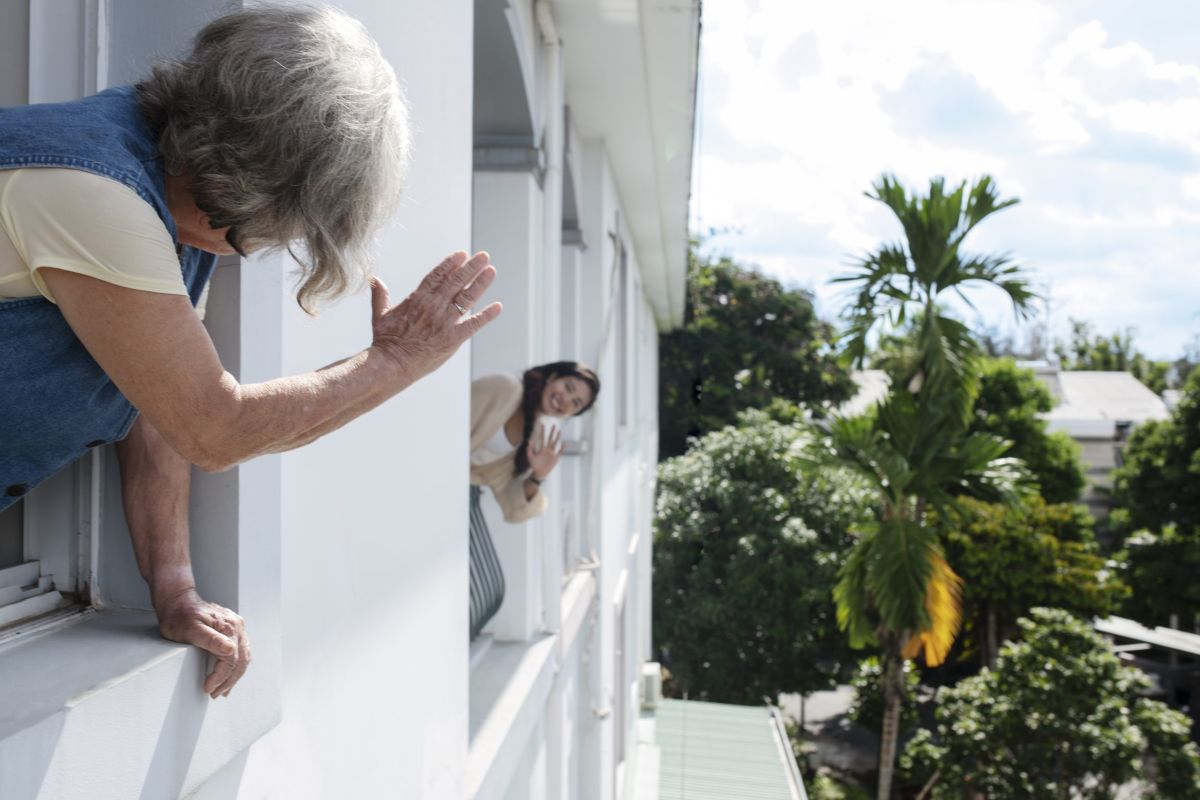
(177, 740)
(226, 784)
(135, 734)
(24, 780)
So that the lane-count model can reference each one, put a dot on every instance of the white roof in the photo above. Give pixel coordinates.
(1089, 405)
(1092, 404)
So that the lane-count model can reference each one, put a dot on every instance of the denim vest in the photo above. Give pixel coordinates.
(55, 400)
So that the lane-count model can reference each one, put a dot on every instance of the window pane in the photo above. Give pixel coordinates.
(12, 542)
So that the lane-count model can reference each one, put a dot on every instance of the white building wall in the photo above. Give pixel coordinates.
(350, 557)
(571, 752)
(374, 553)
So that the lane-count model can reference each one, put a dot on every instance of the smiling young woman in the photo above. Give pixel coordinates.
(512, 450)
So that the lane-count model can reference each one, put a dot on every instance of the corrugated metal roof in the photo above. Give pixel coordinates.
(713, 751)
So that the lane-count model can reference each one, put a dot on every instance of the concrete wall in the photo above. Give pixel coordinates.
(349, 558)
(14, 54)
(374, 516)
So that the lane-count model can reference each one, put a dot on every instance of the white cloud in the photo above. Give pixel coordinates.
(805, 104)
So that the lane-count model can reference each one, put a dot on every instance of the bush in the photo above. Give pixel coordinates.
(1013, 559)
(1059, 717)
(1158, 483)
(867, 706)
(747, 547)
(1163, 569)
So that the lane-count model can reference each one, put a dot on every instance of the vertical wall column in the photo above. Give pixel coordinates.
(552, 214)
(599, 223)
(507, 222)
(571, 483)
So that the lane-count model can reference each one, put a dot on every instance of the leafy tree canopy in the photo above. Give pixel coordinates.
(1159, 482)
(866, 706)
(1059, 717)
(1089, 350)
(746, 552)
(1008, 405)
(1012, 559)
(746, 340)
(1162, 570)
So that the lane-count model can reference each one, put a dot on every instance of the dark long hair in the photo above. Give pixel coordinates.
(535, 380)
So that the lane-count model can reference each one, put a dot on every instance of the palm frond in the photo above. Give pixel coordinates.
(998, 271)
(897, 573)
(851, 596)
(943, 604)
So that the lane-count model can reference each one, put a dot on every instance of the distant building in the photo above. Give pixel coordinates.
(1096, 409)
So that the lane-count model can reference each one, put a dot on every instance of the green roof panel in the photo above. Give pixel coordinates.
(714, 751)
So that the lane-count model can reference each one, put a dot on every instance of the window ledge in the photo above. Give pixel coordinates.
(108, 690)
(509, 684)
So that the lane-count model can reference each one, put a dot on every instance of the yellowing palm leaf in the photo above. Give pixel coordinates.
(943, 603)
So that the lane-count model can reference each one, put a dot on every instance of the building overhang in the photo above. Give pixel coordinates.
(631, 69)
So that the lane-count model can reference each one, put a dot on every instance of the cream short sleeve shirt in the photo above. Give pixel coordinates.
(84, 223)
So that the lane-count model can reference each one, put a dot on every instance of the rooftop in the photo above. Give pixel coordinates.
(1088, 404)
(714, 751)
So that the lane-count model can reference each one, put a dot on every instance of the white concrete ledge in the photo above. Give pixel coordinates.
(105, 708)
(510, 683)
(508, 690)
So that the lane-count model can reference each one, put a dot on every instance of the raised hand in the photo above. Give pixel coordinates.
(425, 329)
(543, 451)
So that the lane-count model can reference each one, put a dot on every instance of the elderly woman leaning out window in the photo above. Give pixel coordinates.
(283, 127)
(512, 450)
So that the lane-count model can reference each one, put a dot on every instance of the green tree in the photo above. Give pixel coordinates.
(1162, 571)
(866, 706)
(1009, 405)
(1088, 350)
(1158, 483)
(1059, 717)
(746, 552)
(1183, 366)
(1012, 559)
(914, 450)
(745, 341)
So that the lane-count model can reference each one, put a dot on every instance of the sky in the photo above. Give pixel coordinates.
(1088, 111)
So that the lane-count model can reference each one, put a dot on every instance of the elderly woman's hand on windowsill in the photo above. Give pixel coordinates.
(187, 618)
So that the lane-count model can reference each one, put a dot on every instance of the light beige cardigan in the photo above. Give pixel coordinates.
(494, 398)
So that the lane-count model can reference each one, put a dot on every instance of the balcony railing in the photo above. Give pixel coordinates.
(487, 578)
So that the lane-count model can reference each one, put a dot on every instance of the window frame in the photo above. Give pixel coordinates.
(59, 521)
(621, 354)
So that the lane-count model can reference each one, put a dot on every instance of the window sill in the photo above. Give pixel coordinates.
(107, 689)
(509, 684)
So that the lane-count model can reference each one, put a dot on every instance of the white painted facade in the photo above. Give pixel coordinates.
(349, 558)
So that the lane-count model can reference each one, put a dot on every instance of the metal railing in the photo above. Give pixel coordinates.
(487, 578)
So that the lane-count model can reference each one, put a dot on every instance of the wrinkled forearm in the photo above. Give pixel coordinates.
(155, 487)
(286, 413)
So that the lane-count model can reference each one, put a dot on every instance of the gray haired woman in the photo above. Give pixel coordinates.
(283, 127)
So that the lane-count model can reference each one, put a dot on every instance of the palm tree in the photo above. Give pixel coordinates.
(895, 589)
